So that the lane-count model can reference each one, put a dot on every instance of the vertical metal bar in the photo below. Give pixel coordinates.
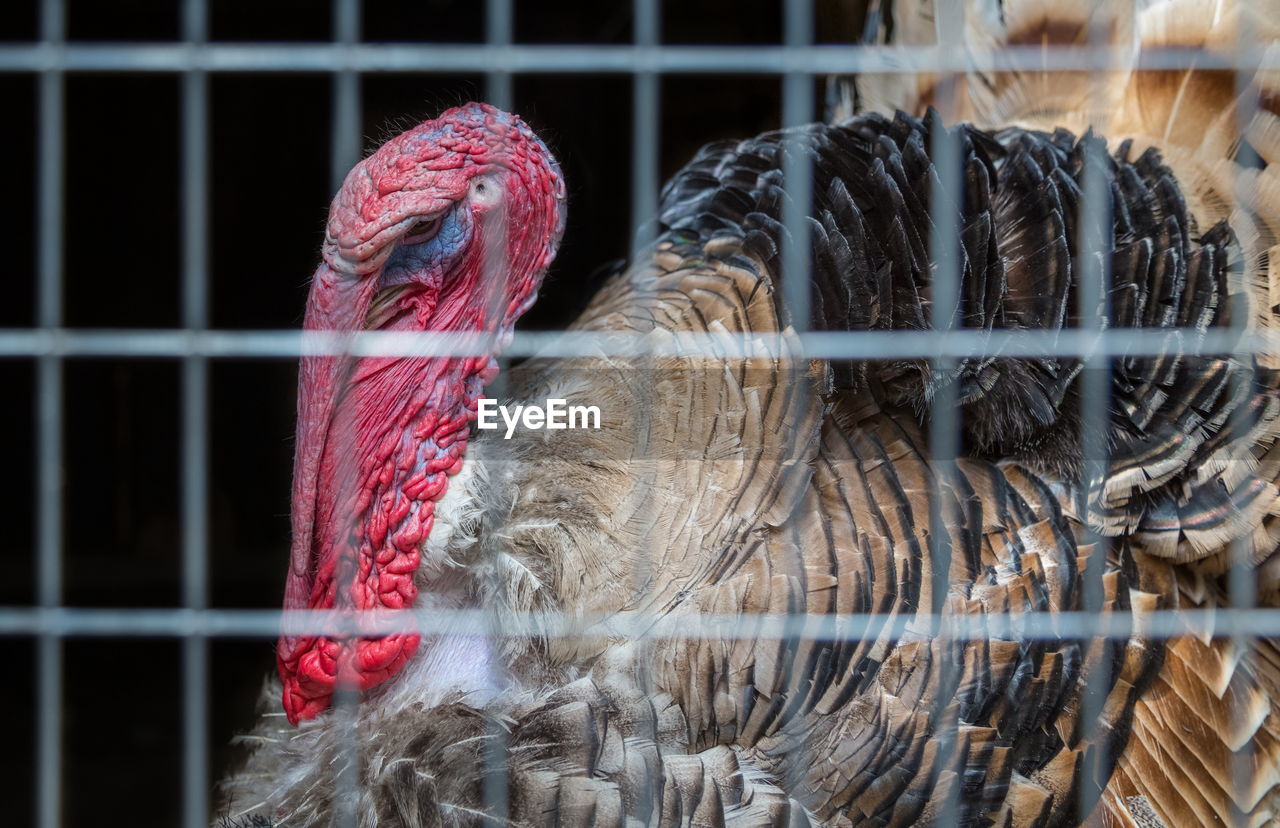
(797, 165)
(945, 200)
(646, 107)
(49, 423)
(344, 151)
(346, 783)
(646, 120)
(1094, 260)
(345, 128)
(494, 760)
(1095, 397)
(1241, 583)
(195, 426)
(797, 174)
(646, 130)
(498, 28)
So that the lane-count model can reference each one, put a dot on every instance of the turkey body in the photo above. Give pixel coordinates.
(776, 485)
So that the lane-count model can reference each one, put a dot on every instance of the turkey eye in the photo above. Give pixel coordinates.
(485, 192)
(422, 231)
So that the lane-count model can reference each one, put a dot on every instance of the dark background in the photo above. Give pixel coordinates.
(269, 169)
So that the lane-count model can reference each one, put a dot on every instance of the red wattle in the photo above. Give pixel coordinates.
(398, 515)
(382, 453)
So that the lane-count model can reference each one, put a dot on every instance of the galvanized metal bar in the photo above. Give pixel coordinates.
(195, 301)
(49, 419)
(346, 767)
(75, 622)
(1242, 576)
(499, 26)
(195, 423)
(945, 315)
(452, 58)
(1094, 231)
(646, 124)
(955, 344)
(645, 130)
(797, 167)
(344, 151)
(499, 91)
(345, 129)
(945, 200)
(647, 20)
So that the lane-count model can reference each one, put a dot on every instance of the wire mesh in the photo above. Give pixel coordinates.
(796, 63)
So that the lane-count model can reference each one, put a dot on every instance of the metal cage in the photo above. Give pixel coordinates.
(49, 343)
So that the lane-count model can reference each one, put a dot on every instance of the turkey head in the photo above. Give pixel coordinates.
(448, 227)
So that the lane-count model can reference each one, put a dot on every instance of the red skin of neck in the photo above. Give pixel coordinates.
(379, 437)
(391, 432)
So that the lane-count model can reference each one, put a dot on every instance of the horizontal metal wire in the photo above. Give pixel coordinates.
(623, 59)
(67, 622)
(179, 343)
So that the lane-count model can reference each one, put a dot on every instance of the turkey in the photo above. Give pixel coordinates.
(767, 485)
